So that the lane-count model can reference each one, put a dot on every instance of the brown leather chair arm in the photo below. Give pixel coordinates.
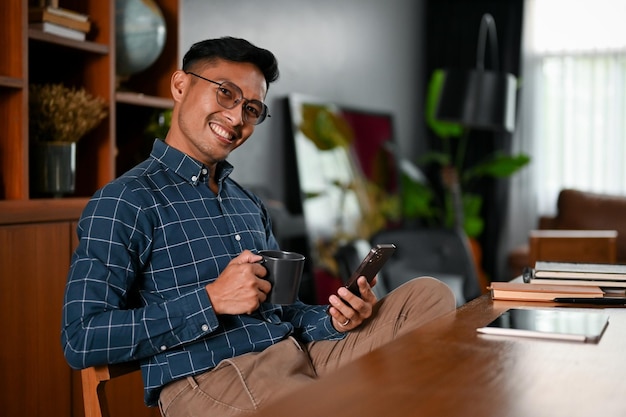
(547, 222)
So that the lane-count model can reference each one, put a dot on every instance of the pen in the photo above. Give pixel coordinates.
(595, 300)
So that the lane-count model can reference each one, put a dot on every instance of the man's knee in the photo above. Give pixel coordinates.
(430, 290)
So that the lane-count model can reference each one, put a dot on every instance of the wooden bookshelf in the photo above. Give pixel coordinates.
(31, 56)
(37, 232)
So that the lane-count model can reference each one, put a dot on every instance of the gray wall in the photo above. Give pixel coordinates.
(356, 53)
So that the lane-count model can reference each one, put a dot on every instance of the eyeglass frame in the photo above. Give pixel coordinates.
(241, 99)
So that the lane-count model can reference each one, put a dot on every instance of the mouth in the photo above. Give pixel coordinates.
(222, 133)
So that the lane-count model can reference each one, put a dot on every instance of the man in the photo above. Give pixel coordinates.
(167, 272)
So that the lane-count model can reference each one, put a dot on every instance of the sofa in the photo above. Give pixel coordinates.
(580, 210)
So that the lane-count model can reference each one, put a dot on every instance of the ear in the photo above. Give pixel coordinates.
(178, 84)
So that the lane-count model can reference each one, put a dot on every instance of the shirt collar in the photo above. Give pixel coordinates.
(185, 166)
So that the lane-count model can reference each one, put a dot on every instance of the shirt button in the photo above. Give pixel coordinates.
(237, 238)
(194, 178)
(205, 327)
(163, 347)
(219, 199)
(204, 171)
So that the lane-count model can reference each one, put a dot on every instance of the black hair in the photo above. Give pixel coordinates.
(232, 49)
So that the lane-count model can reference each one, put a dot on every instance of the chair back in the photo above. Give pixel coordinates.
(587, 246)
(93, 381)
(444, 254)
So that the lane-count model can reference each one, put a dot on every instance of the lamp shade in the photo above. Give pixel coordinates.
(478, 99)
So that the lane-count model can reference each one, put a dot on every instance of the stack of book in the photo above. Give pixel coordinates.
(59, 21)
(585, 274)
(567, 283)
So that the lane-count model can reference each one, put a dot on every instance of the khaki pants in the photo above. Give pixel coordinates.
(240, 385)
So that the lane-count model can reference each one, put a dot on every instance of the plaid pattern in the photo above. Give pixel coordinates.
(150, 241)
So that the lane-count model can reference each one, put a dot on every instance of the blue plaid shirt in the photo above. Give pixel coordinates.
(150, 241)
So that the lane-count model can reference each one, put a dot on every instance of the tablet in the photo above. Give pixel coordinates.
(550, 323)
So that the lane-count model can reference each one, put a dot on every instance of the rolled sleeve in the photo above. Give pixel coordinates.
(180, 321)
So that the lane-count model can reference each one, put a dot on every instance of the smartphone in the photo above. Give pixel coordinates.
(371, 265)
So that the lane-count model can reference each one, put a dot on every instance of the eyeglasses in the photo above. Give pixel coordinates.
(228, 95)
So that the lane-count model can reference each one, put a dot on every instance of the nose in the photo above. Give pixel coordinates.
(235, 114)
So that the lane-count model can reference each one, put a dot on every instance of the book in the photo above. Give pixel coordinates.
(60, 11)
(549, 323)
(580, 270)
(517, 291)
(59, 30)
(571, 273)
(47, 15)
(580, 282)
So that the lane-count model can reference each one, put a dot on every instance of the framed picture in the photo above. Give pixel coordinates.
(346, 170)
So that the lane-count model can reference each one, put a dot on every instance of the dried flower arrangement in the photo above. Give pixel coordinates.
(62, 114)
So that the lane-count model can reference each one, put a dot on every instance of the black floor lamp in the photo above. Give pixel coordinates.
(476, 99)
(480, 98)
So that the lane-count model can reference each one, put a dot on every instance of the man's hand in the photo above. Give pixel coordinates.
(347, 317)
(240, 288)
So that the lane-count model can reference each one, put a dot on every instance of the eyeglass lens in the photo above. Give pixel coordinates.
(229, 95)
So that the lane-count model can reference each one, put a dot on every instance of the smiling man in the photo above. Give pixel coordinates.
(167, 273)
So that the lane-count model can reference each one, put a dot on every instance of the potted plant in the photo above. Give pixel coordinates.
(59, 117)
(459, 204)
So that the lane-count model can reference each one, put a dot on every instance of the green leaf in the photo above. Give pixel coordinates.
(473, 226)
(159, 124)
(418, 201)
(472, 221)
(442, 129)
(439, 158)
(500, 166)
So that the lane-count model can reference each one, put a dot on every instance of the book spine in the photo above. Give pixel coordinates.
(70, 14)
(580, 275)
(59, 11)
(59, 30)
(44, 16)
(580, 267)
(591, 283)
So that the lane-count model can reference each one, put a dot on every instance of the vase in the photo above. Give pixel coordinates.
(55, 168)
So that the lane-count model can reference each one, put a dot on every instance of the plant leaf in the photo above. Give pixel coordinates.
(441, 129)
(473, 223)
(500, 166)
(417, 201)
(439, 158)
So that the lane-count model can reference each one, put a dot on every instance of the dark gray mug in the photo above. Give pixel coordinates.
(284, 272)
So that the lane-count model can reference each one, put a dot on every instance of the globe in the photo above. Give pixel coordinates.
(139, 35)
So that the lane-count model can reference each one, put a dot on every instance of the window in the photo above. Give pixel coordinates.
(572, 116)
(575, 60)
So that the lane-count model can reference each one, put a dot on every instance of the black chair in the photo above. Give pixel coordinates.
(444, 254)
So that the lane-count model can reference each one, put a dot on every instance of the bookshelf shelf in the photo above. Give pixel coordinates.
(39, 35)
(139, 99)
(12, 82)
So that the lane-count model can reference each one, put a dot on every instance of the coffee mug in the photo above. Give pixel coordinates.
(284, 272)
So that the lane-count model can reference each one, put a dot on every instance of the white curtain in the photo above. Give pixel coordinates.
(572, 115)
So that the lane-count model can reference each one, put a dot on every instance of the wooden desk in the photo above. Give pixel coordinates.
(446, 369)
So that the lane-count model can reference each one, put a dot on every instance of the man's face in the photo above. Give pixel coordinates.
(201, 127)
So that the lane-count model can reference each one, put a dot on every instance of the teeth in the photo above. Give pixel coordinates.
(220, 131)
